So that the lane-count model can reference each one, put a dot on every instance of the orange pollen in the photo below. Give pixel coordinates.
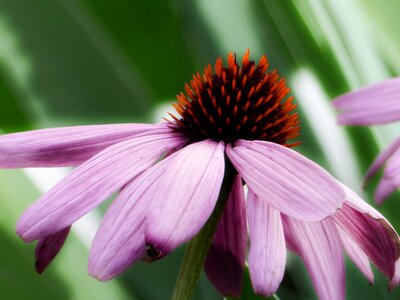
(237, 102)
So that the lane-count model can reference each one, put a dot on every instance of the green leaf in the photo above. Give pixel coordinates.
(151, 34)
(384, 31)
(12, 116)
(65, 65)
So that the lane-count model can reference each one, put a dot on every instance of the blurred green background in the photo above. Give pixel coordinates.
(70, 62)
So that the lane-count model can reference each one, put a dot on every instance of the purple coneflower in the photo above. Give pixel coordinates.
(376, 104)
(233, 128)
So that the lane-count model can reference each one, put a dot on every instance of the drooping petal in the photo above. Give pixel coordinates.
(319, 246)
(112, 252)
(355, 201)
(381, 159)
(372, 232)
(390, 179)
(91, 183)
(357, 255)
(374, 104)
(267, 257)
(224, 265)
(119, 241)
(48, 247)
(185, 197)
(64, 146)
(371, 236)
(288, 181)
(392, 170)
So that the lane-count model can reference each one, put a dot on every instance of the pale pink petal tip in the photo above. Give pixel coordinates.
(48, 247)
(225, 261)
(267, 257)
(374, 104)
(65, 146)
(319, 245)
(91, 183)
(371, 231)
(115, 249)
(119, 241)
(286, 180)
(185, 196)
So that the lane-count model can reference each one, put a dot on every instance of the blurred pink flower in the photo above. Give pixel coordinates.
(376, 104)
(169, 177)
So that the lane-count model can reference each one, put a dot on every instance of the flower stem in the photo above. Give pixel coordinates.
(197, 248)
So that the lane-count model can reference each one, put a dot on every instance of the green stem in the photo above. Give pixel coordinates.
(197, 248)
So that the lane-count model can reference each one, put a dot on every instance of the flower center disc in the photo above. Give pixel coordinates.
(237, 103)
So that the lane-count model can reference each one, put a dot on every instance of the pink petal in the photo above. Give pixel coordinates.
(91, 183)
(319, 246)
(353, 200)
(288, 181)
(224, 265)
(185, 196)
(384, 189)
(357, 255)
(391, 178)
(65, 146)
(392, 170)
(267, 257)
(371, 231)
(48, 247)
(119, 241)
(374, 104)
(381, 159)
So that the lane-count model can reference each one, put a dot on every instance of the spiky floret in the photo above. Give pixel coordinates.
(237, 102)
